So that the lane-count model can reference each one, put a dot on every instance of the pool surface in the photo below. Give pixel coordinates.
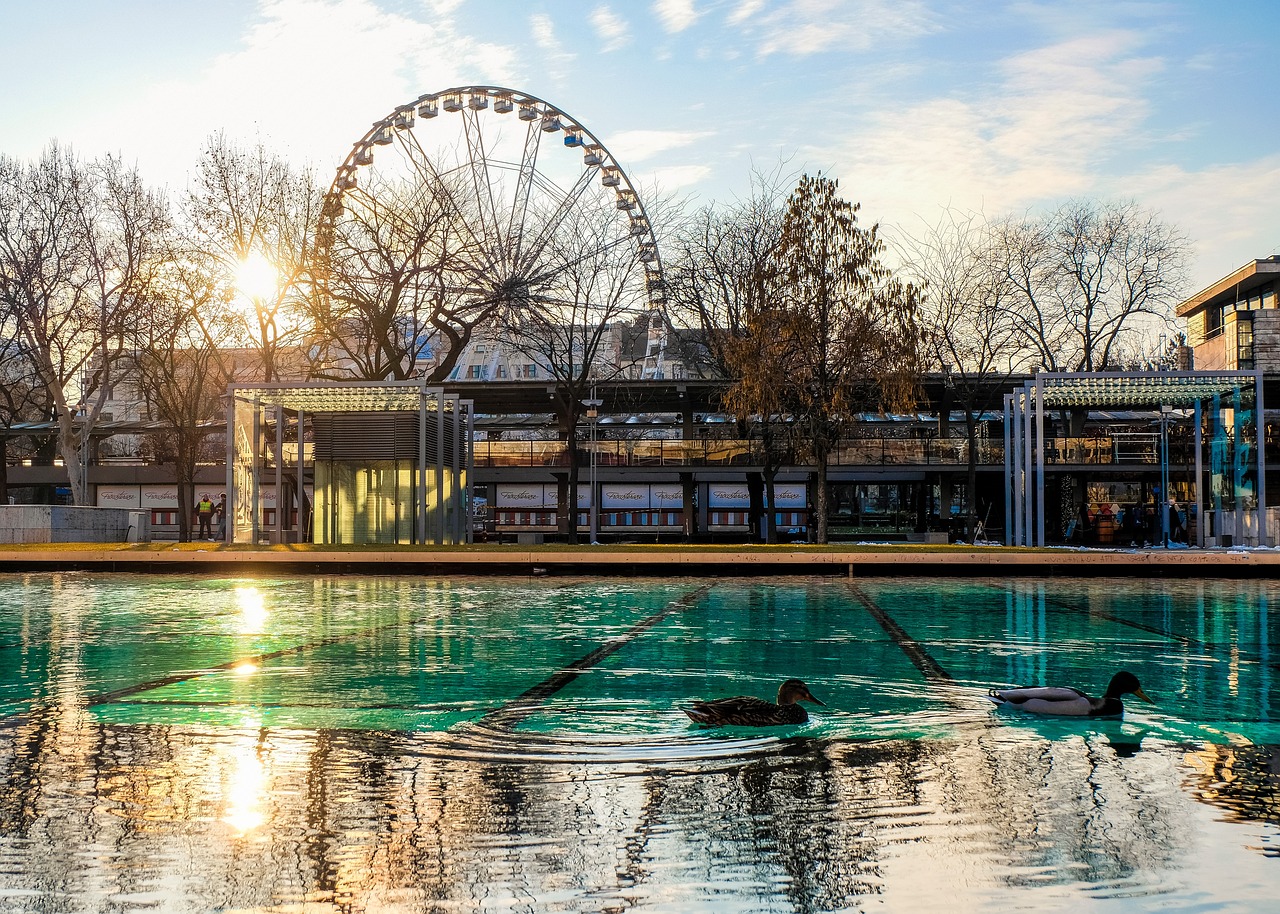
(417, 744)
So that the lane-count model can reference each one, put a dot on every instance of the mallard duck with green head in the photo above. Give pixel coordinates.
(745, 711)
(1068, 702)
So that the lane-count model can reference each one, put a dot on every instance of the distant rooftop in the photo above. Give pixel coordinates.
(1244, 280)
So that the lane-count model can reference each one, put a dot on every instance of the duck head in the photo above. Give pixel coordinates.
(794, 690)
(1125, 683)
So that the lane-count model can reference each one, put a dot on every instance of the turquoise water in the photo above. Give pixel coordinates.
(422, 744)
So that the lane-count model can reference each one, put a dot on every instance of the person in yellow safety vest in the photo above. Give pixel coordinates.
(204, 512)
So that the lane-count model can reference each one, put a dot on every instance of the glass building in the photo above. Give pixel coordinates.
(348, 463)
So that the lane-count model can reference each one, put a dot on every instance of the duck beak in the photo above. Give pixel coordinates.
(1143, 695)
(816, 702)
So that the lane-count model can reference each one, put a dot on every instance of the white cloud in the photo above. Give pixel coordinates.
(1059, 115)
(1227, 210)
(674, 177)
(1063, 121)
(675, 15)
(613, 31)
(308, 78)
(637, 145)
(804, 27)
(745, 10)
(544, 36)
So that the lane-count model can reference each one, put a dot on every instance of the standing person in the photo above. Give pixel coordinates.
(221, 511)
(1177, 534)
(204, 513)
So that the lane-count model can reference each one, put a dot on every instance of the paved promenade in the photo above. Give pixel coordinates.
(645, 560)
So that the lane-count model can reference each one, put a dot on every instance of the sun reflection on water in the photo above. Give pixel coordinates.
(246, 787)
(253, 610)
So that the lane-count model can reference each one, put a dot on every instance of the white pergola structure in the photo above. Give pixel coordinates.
(1229, 402)
(391, 463)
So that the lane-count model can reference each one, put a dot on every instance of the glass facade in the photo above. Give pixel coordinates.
(388, 463)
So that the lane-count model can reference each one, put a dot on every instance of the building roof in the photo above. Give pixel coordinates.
(1134, 390)
(345, 397)
(1244, 280)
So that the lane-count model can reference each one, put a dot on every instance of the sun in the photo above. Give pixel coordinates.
(256, 277)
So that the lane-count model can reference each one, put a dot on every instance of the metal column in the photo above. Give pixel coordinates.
(1260, 426)
(230, 516)
(1008, 475)
(1028, 477)
(1039, 452)
(277, 532)
(1200, 504)
(421, 514)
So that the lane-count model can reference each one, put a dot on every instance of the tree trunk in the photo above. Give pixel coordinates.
(820, 496)
(4, 469)
(184, 469)
(689, 491)
(755, 507)
(186, 501)
(971, 479)
(770, 512)
(69, 450)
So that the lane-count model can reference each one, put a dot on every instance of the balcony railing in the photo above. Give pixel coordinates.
(662, 452)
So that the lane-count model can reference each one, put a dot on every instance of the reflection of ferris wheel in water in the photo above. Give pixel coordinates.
(516, 183)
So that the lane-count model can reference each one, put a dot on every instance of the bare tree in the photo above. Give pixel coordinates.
(397, 275)
(182, 370)
(972, 333)
(78, 254)
(838, 334)
(1089, 277)
(575, 322)
(21, 394)
(248, 206)
(719, 255)
(716, 283)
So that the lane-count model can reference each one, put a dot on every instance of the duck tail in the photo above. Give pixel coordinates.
(697, 715)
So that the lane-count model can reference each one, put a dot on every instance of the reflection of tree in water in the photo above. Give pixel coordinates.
(1073, 810)
(810, 812)
(1243, 780)
(225, 818)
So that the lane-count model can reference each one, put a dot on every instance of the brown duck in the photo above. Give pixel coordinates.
(745, 711)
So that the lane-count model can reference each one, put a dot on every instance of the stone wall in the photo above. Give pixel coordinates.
(1266, 340)
(68, 524)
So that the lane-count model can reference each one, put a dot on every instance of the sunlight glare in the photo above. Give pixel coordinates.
(253, 610)
(245, 791)
(256, 277)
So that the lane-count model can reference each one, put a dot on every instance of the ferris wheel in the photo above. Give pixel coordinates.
(522, 177)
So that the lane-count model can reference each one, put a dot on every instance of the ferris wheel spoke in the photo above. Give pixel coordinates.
(481, 182)
(434, 177)
(451, 212)
(553, 224)
(564, 266)
(524, 185)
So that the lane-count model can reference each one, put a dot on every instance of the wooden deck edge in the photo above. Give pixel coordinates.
(1182, 562)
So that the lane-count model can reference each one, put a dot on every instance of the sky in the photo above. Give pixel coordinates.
(915, 106)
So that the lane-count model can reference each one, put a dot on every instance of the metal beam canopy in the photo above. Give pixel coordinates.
(1230, 402)
(390, 462)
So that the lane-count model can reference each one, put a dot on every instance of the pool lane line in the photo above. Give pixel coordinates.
(915, 651)
(527, 703)
(1111, 617)
(258, 660)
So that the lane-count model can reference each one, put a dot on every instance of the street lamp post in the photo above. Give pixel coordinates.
(593, 415)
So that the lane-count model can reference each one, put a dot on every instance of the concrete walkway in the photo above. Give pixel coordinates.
(649, 560)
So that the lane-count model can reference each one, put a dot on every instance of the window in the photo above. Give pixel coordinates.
(1244, 342)
(1212, 322)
